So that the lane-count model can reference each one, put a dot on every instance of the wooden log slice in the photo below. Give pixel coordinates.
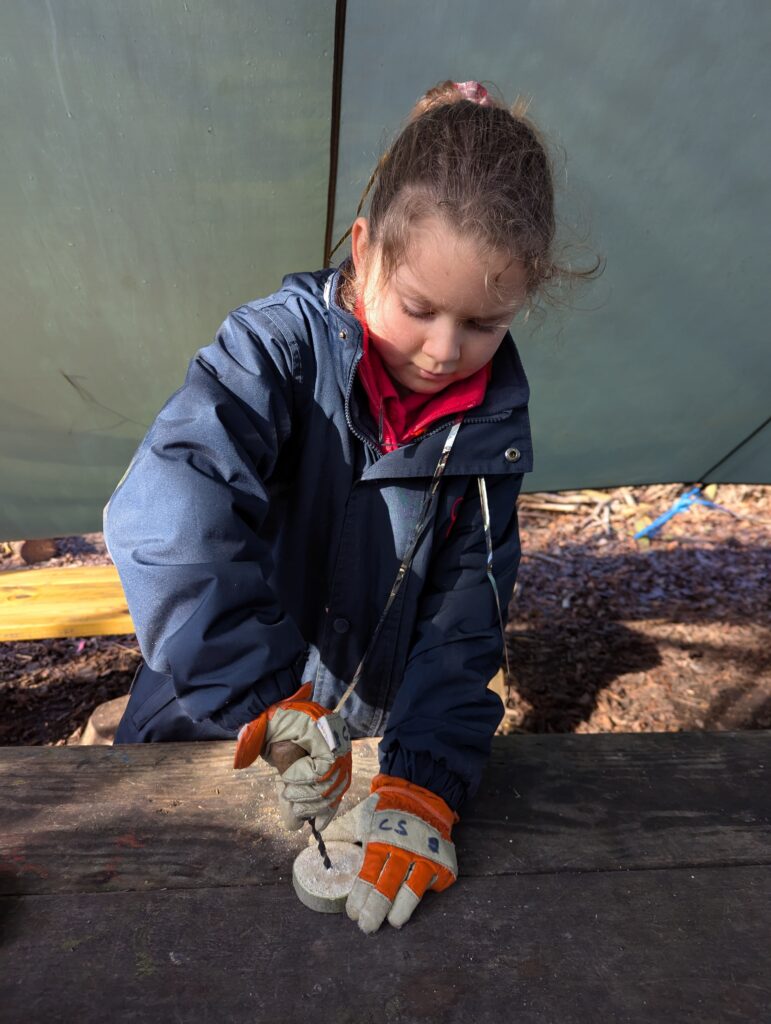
(322, 890)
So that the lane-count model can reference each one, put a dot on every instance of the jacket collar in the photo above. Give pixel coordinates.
(499, 424)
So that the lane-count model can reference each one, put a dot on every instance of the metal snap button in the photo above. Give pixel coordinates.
(341, 625)
(343, 335)
(512, 454)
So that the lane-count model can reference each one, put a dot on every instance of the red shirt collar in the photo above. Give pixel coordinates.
(402, 419)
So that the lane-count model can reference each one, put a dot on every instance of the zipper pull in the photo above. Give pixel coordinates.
(380, 425)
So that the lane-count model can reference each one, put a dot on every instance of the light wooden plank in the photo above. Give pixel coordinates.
(63, 601)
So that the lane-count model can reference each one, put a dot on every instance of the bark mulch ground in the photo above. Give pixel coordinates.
(607, 634)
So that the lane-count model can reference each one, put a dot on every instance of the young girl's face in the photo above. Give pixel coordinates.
(445, 310)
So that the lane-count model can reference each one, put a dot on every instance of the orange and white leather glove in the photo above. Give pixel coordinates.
(312, 779)
(405, 830)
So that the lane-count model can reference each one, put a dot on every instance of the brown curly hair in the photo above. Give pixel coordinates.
(485, 169)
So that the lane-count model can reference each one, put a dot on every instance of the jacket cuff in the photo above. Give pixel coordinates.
(267, 691)
(421, 769)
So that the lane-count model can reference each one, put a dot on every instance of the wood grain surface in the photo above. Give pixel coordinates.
(614, 878)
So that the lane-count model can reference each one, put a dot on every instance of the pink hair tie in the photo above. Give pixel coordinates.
(473, 91)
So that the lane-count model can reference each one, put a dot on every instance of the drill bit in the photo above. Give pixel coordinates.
(320, 842)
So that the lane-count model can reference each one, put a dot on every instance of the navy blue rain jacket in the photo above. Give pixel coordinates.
(258, 530)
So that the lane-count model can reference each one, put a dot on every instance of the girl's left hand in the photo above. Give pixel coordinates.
(405, 830)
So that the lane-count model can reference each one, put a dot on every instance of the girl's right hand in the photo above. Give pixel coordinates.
(310, 747)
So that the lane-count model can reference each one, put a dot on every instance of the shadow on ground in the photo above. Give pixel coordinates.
(686, 628)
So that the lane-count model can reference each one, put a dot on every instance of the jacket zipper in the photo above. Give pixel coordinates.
(364, 440)
(493, 418)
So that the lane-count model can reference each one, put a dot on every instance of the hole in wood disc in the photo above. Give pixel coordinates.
(322, 890)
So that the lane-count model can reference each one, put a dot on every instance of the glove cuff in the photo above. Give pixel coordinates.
(400, 794)
(250, 740)
(300, 701)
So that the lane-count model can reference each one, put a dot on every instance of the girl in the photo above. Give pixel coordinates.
(321, 501)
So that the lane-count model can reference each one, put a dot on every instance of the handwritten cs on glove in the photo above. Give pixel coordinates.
(406, 833)
(315, 772)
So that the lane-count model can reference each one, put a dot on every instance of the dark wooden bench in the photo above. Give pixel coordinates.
(603, 878)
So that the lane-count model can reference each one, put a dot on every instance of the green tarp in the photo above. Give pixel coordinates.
(163, 163)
